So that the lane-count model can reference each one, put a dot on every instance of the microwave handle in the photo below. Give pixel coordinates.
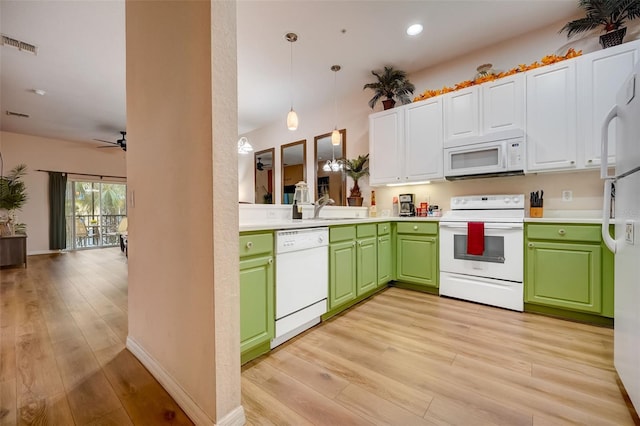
(504, 164)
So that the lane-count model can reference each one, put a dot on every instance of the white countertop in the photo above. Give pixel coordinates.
(313, 223)
(568, 216)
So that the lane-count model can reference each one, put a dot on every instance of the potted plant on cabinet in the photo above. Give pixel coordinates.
(391, 84)
(355, 169)
(13, 195)
(610, 14)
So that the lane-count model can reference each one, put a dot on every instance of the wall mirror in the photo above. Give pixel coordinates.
(330, 180)
(293, 157)
(265, 178)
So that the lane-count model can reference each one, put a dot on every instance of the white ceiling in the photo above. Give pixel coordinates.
(81, 54)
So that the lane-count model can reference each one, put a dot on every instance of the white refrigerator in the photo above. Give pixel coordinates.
(625, 117)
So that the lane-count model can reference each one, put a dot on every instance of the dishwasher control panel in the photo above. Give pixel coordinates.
(301, 239)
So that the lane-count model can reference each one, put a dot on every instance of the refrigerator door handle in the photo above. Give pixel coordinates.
(604, 148)
(609, 241)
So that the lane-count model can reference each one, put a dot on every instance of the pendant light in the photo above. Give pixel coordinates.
(292, 117)
(335, 135)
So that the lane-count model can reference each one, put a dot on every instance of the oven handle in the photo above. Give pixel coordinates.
(486, 225)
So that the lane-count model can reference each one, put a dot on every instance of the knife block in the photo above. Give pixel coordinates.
(535, 211)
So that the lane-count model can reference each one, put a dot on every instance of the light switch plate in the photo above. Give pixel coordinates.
(567, 195)
(628, 232)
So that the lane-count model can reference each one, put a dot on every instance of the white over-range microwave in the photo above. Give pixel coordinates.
(484, 157)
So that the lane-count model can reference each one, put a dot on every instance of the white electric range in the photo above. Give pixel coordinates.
(493, 276)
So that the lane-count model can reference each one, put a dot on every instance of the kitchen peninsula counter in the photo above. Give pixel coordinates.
(314, 223)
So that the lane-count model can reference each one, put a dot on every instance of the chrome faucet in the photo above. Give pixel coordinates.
(322, 201)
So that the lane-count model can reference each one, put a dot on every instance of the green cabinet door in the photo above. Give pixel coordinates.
(366, 259)
(385, 260)
(256, 303)
(564, 275)
(342, 273)
(417, 259)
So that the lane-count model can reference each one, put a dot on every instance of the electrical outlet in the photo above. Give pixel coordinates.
(567, 195)
(628, 232)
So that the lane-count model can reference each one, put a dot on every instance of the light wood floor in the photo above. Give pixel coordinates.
(407, 358)
(63, 324)
(400, 358)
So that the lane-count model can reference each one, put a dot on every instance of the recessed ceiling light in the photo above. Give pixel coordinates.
(414, 29)
(39, 92)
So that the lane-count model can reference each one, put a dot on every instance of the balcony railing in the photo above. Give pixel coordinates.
(93, 230)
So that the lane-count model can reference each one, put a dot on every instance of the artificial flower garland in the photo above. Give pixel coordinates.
(547, 60)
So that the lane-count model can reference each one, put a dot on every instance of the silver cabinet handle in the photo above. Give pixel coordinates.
(271, 261)
(415, 227)
(249, 245)
(353, 244)
(385, 228)
(530, 245)
(379, 240)
(590, 161)
(572, 162)
(360, 243)
(561, 231)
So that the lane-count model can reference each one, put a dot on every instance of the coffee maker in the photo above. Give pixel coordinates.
(407, 204)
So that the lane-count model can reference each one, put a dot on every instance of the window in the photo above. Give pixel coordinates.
(94, 211)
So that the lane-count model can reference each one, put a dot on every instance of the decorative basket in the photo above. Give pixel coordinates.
(613, 38)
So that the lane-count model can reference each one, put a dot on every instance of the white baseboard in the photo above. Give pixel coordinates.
(37, 252)
(182, 398)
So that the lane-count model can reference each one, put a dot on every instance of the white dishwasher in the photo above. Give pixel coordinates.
(302, 280)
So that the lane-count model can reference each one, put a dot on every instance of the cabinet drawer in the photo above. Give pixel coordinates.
(384, 228)
(564, 232)
(252, 244)
(342, 233)
(417, 227)
(368, 230)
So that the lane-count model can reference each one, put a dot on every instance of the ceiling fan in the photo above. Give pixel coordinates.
(261, 166)
(121, 143)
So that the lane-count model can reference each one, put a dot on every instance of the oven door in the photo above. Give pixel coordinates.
(503, 251)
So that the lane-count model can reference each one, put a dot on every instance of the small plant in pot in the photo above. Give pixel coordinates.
(355, 169)
(13, 195)
(391, 84)
(608, 14)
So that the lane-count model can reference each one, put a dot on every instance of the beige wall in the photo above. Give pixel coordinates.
(183, 256)
(354, 114)
(57, 155)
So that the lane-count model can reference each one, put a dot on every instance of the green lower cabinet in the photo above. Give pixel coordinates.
(257, 317)
(568, 272)
(385, 260)
(417, 259)
(564, 275)
(342, 273)
(366, 268)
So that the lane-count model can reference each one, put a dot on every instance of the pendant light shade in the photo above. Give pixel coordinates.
(292, 120)
(335, 137)
(292, 117)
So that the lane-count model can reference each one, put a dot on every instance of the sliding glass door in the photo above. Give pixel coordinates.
(94, 210)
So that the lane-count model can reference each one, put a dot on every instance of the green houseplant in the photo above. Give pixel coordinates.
(608, 14)
(13, 195)
(355, 169)
(391, 84)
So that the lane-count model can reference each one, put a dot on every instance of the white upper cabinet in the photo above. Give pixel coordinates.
(462, 114)
(600, 75)
(503, 104)
(386, 133)
(423, 141)
(405, 143)
(551, 117)
(491, 107)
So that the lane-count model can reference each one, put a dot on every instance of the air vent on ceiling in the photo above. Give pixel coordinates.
(20, 45)
(17, 114)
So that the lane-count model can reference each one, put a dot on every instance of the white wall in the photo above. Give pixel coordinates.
(55, 155)
(354, 117)
(184, 318)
